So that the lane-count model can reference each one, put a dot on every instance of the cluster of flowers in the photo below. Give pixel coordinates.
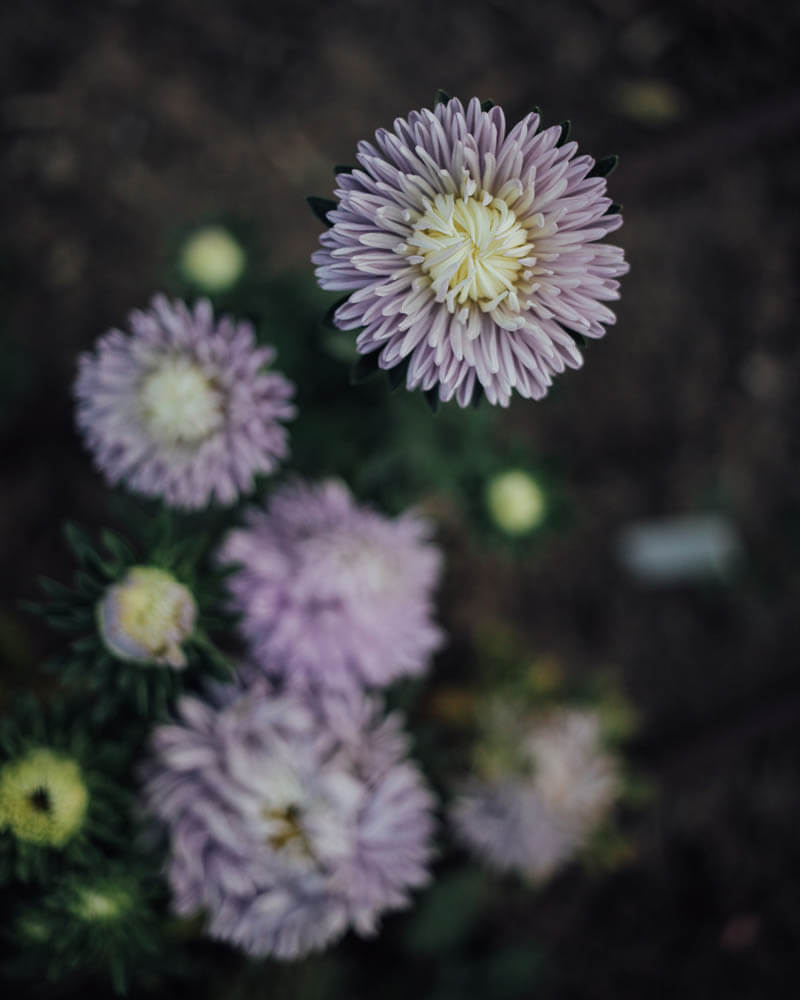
(291, 809)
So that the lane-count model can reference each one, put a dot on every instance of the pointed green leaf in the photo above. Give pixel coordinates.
(432, 399)
(320, 207)
(604, 166)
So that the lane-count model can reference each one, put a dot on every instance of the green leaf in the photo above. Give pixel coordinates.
(320, 207)
(604, 166)
(513, 972)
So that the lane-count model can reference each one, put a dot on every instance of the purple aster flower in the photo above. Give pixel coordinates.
(181, 408)
(542, 797)
(472, 252)
(290, 820)
(333, 594)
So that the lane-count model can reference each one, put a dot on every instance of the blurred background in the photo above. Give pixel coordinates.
(125, 125)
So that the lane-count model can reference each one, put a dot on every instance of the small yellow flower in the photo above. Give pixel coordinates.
(43, 798)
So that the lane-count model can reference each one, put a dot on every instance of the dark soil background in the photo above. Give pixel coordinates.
(123, 122)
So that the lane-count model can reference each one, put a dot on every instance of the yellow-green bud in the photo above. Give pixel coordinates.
(146, 616)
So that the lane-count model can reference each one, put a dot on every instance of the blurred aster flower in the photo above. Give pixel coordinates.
(289, 821)
(546, 786)
(472, 253)
(181, 409)
(333, 594)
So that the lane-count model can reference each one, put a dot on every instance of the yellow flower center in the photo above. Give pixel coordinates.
(286, 831)
(472, 249)
(180, 405)
(145, 617)
(43, 798)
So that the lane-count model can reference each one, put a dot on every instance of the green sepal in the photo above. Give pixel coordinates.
(566, 129)
(442, 97)
(432, 399)
(320, 207)
(487, 105)
(327, 319)
(604, 166)
(364, 368)
(397, 375)
(343, 168)
(478, 396)
(613, 209)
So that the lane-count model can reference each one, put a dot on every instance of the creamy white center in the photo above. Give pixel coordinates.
(180, 404)
(472, 249)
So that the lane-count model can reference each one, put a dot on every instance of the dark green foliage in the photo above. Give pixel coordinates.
(105, 924)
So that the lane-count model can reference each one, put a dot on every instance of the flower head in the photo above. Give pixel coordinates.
(471, 252)
(542, 794)
(289, 822)
(181, 408)
(60, 794)
(43, 797)
(333, 594)
(145, 617)
(212, 259)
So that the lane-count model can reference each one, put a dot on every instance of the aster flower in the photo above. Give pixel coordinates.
(546, 785)
(289, 820)
(140, 622)
(333, 594)
(58, 795)
(471, 253)
(102, 922)
(181, 408)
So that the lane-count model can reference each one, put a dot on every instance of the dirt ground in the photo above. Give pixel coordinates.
(122, 122)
